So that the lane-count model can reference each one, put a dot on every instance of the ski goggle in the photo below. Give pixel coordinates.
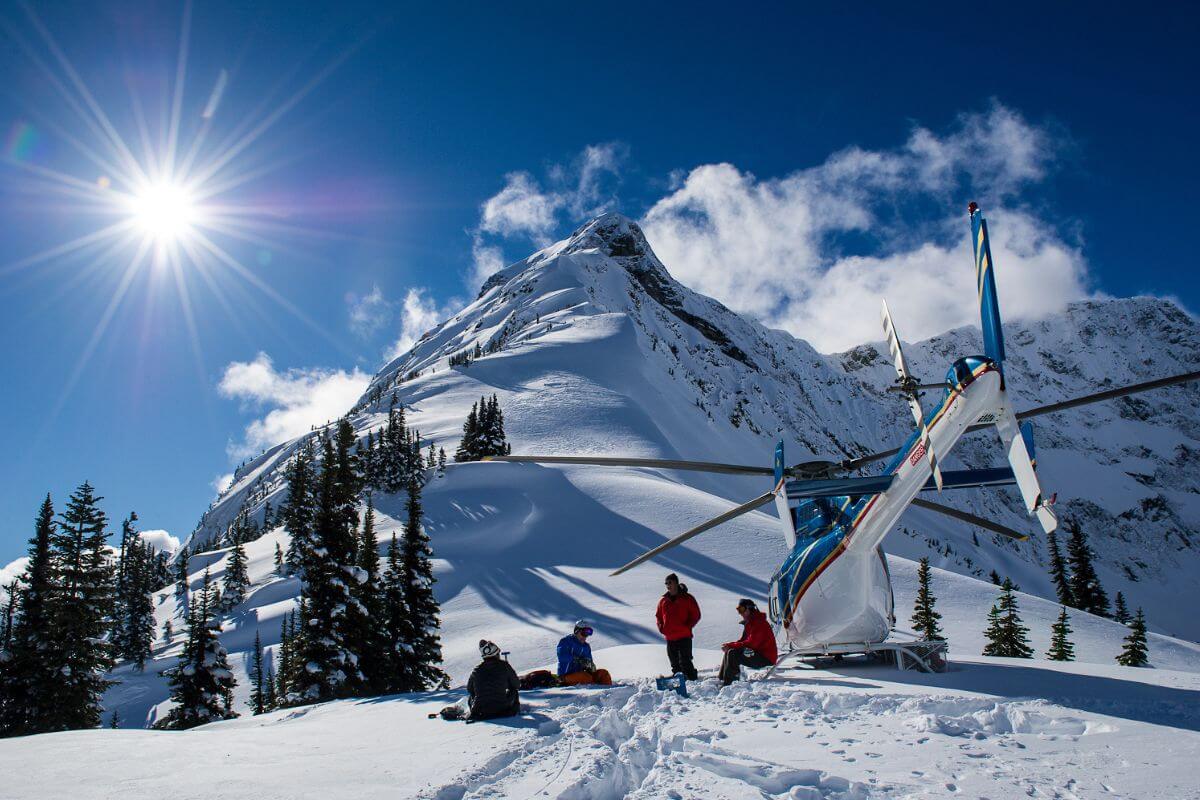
(584, 631)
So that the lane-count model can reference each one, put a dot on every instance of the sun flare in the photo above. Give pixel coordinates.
(164, 212)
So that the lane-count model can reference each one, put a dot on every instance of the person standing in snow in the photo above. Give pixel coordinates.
(755, 649)
(575, 664)
(678, 612)
(493, 689)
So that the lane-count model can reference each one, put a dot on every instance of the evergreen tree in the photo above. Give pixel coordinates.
(236, 579)
(1085, 584)
(258, 695)
(299, 512)
(201, 683)
(279, 566)
(1121, 612)
(364, 634)
(422, 605)
(468, 446)
(83, 609)
(1061, 648)
(268, 517)
(168, 631)
(1006, 635)
(282, 677)
(133, 624)
(399, 672)
(441, 462)
(271, 700)
(1135, 653)
(181, 580)
(331, 609)
(1058, 572)
(431, 459)
(29, 665)
(8, 613)
(995, 578)
(924, 618)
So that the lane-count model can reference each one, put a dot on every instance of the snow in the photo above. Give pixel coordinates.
(987, 728)
(521, 551)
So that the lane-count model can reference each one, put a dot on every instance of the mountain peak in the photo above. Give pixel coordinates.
(614, 234)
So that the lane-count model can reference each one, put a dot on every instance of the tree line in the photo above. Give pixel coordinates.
(1077, 586)
(73, 614)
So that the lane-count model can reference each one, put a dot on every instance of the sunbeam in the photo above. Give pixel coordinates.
(166, 194)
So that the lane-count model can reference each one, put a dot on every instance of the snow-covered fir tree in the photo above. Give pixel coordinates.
(1086, 591)
(398, 672)
(1135, 652)
(1058, 571)
(441, 462)
(924, 618)
(29, 666)
(1005, 634)
(279, 563)
(423, 608)
(468, 446)
(1061, 648)
(201, 683)
(298, 513)
(133, 623)
(236, 580)
(83, 608)
(330, 608)
(365, 634)
(181, 579)
(1121, 610)
(259, 680)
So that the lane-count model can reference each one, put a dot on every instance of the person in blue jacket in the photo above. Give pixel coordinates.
(575, 664)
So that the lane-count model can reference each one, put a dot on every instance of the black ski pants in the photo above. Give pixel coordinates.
(680, 653)
(736, 658)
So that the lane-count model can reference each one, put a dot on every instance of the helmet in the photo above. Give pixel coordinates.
(585, 626)
(488, 649)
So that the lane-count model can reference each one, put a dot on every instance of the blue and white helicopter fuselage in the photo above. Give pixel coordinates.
(834, 587)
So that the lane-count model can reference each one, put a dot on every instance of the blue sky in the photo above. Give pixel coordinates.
(397, 154)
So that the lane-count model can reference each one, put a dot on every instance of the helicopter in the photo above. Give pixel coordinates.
(833, 589)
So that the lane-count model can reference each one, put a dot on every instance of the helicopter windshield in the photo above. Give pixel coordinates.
(962, 372)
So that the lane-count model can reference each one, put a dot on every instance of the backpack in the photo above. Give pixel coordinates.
(539, 679)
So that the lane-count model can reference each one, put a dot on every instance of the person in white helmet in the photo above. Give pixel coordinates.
(575, 665)
(493, 689)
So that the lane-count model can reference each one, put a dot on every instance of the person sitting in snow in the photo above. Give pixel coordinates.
(575, 664)
(755, 649)
(493, 689)
(677, 613)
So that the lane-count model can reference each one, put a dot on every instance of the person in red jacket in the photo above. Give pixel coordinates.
(755, 649)
(678, 612)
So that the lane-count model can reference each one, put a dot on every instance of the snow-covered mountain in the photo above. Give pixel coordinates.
(592, 347)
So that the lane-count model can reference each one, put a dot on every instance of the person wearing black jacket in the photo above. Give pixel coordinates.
(493, 688)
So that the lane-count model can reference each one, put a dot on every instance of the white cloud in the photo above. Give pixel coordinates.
(526, 208)
(369, 312)
(418, 314)
(770, 248)
(521, 207)
(9, 573)
(160, 541)
(294, 400)
(221, 482)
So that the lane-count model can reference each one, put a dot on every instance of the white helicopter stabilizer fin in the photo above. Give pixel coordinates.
(1018, 440)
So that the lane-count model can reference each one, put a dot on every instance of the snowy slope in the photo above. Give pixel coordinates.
(988, 728)
(595, 349)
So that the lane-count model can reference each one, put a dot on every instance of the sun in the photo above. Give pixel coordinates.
(164, 212)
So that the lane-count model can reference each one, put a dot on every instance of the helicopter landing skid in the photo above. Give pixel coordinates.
(920, 656)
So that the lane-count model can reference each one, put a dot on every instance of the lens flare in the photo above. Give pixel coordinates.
(164, 212)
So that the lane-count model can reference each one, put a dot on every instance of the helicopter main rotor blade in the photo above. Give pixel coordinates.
(852, 464)
(744, 508)
(1110, 394)
(618, 461)
(970, 519)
